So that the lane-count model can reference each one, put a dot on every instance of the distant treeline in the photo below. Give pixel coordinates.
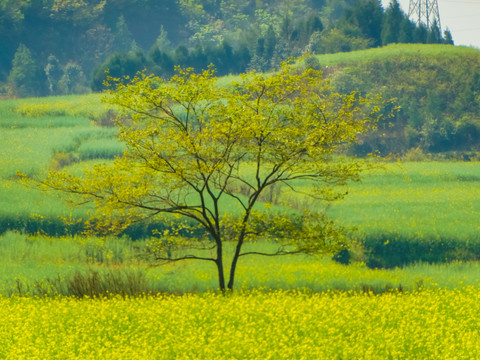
(52, 47)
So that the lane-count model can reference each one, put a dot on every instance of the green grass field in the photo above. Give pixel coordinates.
(429, 210)
(408, 207)
(74, 297)
(393, 51)
(43, 134)
(39, 266)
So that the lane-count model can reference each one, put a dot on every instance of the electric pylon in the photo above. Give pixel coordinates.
(425, 12)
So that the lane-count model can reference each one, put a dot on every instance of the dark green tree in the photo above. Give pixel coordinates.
(420, 34)
(24, 77)
(198, 58)
(407, 34)
(160, 62)
(223, 59)
(305, 28)
(434, 35)
(447, 37)
(367, 15)
(270, 43)
(180, 56)
(242, 59)
(314, 23)
(118, 66)
(393, 24)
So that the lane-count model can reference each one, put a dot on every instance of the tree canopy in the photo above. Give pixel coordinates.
(207, 155)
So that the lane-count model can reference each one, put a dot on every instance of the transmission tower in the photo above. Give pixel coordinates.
(425, 12)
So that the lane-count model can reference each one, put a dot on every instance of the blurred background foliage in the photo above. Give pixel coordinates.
(62, 47)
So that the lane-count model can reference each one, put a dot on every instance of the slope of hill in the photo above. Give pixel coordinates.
(436, 86)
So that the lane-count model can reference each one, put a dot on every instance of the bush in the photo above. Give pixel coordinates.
(118, 65)
(47, 225)
(61, 160)
(416, 154)
(312, 62)
(92, 283)
(105, 119)
(101, 284)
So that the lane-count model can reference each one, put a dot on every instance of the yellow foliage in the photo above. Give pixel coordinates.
(86, 106)
(431, 324)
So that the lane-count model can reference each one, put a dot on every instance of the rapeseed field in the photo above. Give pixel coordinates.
(428, 324)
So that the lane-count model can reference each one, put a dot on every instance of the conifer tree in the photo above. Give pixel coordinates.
(24, 75)
(123, 38)
(393, 24)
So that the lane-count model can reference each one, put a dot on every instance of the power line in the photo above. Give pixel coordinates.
(462, 2)
(471, 29)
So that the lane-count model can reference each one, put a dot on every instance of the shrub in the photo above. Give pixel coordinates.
(105, 119)
(61, 160)
(101, 284)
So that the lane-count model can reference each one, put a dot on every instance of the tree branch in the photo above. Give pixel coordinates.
(186, 257)
(278, 253)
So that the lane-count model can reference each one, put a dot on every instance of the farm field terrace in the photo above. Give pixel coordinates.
(424, 198)
(425, 210)
(417, 211)
(431, 324)
(59, 294)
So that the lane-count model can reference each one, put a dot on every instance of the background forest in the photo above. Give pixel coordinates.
(52, 47)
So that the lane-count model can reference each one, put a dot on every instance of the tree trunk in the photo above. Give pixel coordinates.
(221, 276)
(232, 272)
(231, 280)
(219, 262)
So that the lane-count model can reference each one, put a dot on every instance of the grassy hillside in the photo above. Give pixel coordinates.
(43, 134)
(394, 51)
(436, 86)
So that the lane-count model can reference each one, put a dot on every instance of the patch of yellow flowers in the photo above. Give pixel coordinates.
(429, 324)
(85, 105)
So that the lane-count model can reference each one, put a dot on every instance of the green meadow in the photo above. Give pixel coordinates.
(412, 224)
(394, 51)
(420, 211)
(77, 266)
